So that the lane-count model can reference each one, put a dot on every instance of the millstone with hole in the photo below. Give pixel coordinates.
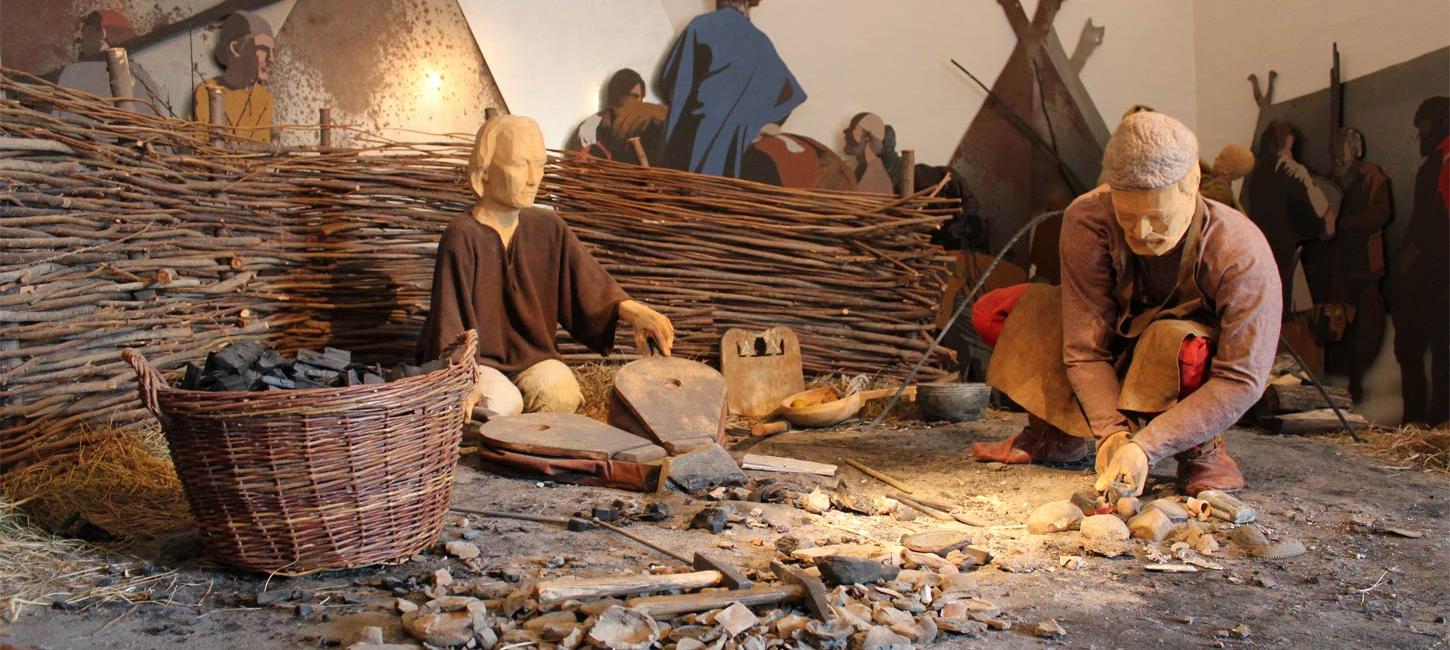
(676, 402)
(567, 435)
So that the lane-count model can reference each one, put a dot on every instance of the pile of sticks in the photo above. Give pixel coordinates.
(124, 230)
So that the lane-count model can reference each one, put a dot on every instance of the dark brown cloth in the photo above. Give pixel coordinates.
(1238, 283)
(518, 297)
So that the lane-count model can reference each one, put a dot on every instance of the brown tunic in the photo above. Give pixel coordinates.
(1239, 284)
(518, 297)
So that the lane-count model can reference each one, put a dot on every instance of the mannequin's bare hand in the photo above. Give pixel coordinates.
(648, 324)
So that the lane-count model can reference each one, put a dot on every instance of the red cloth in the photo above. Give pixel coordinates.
(990, 312)
(1193, 360)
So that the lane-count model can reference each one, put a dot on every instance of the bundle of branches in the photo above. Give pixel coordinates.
(129, 230)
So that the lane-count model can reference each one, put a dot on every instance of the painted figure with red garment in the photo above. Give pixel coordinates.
(1161, 335)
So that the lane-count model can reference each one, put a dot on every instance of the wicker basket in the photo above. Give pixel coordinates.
(293, 482)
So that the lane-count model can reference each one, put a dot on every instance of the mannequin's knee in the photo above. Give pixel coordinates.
(497, 394)
(550, 387)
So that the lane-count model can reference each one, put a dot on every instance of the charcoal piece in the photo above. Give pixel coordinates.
(370, 379)
(234, 358)
(409, 371)
(232, 383)
(351, 378)
(303, 382)
(192, 380)
(321, 360)
(270, 359)
(319, 375)
(340, 354)
(276, 381)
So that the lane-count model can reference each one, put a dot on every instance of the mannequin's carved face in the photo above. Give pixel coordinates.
(1154, 221)
(517, 167)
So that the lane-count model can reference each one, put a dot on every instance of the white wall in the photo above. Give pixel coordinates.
(1294, 37)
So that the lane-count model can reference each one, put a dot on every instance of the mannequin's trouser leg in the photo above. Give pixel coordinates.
(545, 387)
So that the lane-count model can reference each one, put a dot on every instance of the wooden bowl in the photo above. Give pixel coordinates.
(822, 407)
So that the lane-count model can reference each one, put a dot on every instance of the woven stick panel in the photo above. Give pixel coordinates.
(123, 230)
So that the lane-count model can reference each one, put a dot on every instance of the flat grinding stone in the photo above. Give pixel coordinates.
(677, 402)
(567, 435)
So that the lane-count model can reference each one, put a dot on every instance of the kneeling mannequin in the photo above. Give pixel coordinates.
(516, 273)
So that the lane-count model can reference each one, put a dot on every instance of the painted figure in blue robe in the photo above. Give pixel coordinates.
(724, 81)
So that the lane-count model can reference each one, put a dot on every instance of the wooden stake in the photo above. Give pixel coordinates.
(638, 148)
(879, 476)
(908, 173)
(122, 84)
(324, 128)
(216, 112)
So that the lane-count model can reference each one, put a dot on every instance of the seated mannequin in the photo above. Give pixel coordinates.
(516, 273)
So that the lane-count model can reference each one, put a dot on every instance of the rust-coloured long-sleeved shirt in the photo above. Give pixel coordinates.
(1240, 286)
(518, 297)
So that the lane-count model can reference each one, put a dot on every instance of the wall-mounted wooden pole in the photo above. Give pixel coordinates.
(123, 86)
(907, 185)
(324, 128)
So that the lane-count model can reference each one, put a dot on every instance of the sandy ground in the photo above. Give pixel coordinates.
(1354, 588)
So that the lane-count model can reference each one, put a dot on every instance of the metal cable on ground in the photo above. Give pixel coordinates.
(966, 302)
(1322, 392)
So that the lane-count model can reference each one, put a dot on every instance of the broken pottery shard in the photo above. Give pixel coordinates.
(1054, 517)
(936, 541)
(620, 628)
(735, 619)
(880, 637)
(1151, 524)
(462, 550)
(705, 468)
(1104, 528)
(842, 570)
(883, 614)
(791, 626)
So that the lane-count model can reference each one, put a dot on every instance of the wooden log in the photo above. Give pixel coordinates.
(907, 185)
(1287, 398)
(324, 128)
(575, 588)
(1311, 422)
(123, 85)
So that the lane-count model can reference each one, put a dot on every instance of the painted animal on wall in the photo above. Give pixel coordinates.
(244, 52)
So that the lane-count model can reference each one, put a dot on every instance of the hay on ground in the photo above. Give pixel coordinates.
(1417, 447)
(120, 480)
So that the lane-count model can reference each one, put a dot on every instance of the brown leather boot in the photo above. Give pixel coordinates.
(1038, 442)
(1209, 467)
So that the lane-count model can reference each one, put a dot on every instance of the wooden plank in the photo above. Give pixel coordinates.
(765, 463)
(1317, 421)
(676, 402)
(760, 369)
(669, 606)
(567, 435)
(577, 588)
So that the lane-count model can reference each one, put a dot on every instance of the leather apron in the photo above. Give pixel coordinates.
(1027, 363)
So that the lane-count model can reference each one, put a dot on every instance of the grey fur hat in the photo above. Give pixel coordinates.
(1149, 151)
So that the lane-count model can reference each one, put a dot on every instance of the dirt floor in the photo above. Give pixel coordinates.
(1358, 585)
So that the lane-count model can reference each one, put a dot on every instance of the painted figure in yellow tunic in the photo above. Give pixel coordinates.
(244, 51)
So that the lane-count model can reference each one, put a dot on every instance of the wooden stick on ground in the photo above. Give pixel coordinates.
(879, 476)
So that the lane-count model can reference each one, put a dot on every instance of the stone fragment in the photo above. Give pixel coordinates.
(927, 630)
(842, 570)
(1054, 517)
(735, 619)
(836, 630)
(1151, 524)
(958, 583)
(938, 542)
(710, 518)
(371, 634)
(597, 607)
(620, 628)
(978, 555)
(442, 580)
(1200, 539)
(1048, 629)
(704, 468)
(552, 618)
(447, 622)
(273, 596)
(462, 550)
(880, 637)
(1250, 538)
(1169, 508)
(817, 502)
(689, 643)
(404, 606)
(1283, 550)
(961, 626)
(1127, 507)
(882, 614)
(1104, 528)
(969, 608)
(1072, 562)
(791, 626)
